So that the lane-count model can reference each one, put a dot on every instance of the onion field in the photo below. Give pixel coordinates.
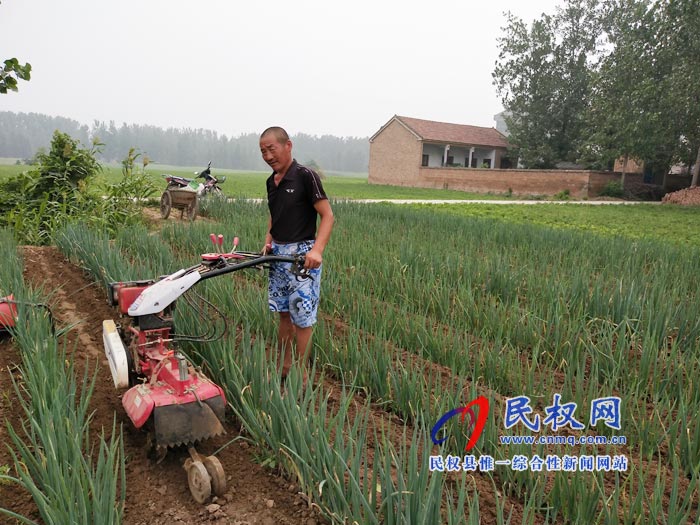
(422, 312)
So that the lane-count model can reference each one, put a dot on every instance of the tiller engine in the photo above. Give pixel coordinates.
(166, 394)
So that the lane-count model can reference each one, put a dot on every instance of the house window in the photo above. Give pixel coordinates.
(425, 160)
(486, 163)
(473, 162)
(450, 160)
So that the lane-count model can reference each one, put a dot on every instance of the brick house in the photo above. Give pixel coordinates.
(427, 154)
(404, 145)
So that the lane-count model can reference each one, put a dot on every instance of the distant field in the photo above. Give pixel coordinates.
(251, 184)
(9, 170)
(674, 224)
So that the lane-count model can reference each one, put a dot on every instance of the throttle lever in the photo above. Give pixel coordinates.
(299, 271)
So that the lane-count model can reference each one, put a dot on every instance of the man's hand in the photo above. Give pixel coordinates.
(266, 249)
(313, 259)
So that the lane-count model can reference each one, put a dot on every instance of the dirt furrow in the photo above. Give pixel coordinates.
(156, 493)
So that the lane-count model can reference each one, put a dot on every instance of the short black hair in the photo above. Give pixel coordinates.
(279, 133)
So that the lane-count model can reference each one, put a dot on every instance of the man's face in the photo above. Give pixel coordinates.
(277, 155)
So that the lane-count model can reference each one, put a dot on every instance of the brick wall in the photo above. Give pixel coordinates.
(598, 180)
(395, 157)
(521, 182)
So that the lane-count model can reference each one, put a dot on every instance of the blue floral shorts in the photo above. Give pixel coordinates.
(286, 293)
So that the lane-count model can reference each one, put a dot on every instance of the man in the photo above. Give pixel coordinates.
(295, 198)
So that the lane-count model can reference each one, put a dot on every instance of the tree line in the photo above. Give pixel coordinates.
(600, 80)
(22, 135)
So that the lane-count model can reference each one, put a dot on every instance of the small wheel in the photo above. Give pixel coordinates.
(166, 203)
(216, 472)
(198, 480)
(192, 209)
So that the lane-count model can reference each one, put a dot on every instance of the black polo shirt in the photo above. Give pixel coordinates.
(291, 204)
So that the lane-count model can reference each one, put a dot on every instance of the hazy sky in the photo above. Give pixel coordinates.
(236, 66)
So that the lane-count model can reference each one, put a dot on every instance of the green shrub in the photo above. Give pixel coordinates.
(57, 192)
(123, 202)
(612, 189)
(563, 195)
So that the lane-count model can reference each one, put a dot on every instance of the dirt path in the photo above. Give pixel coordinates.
(156, 493)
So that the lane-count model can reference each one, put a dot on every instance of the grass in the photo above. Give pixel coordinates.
(10, 170)
(251, 184)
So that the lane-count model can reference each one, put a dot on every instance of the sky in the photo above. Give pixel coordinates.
(238, 66)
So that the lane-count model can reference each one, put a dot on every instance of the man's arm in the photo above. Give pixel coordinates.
(314, 257)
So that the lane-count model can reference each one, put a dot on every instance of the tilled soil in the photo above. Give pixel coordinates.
(155, 493)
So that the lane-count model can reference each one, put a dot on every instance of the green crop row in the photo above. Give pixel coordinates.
(55, 460)
(327, 451)
(526, 309)
(510, 309)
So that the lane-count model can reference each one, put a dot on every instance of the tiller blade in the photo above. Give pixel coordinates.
(188, 423)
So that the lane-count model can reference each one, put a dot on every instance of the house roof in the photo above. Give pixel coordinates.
(429, 130)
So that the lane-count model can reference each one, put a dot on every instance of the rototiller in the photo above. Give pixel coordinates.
(176, 402)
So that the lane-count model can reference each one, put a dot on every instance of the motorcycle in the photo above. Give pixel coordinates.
(176, 182)
(209, 186)
(211, 183)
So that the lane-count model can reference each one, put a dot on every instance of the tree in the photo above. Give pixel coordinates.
(12, 71)
(523, 78)
(23, 133)
(627, 115)
(543, 77)
(645, 100)
(311, 163)
(679, 45)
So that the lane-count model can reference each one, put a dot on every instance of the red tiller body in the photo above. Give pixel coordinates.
(8, 312)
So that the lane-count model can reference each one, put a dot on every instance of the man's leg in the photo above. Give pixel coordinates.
(285, 342)
(304, 347)
(304, 343)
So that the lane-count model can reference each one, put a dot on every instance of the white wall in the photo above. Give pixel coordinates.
(435, 153)
(460, 155)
